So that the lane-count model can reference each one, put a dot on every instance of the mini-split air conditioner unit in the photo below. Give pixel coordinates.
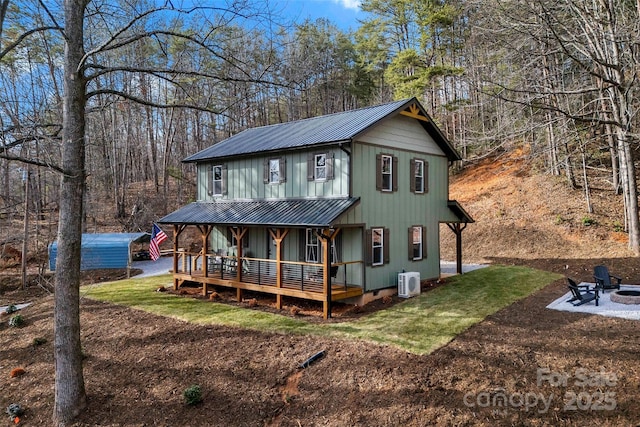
(408, 284)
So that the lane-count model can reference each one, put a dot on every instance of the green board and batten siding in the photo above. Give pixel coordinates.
(406, 139)
(246, 178)
(400, 136)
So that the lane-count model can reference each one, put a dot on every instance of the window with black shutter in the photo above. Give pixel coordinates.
(217, 180)
(386, 173)
(377, 241)
(320, 166)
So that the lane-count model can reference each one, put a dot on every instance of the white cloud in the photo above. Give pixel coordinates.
(349, 4)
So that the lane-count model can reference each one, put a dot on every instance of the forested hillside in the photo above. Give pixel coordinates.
(100, 102)
(165, 83)
(522, 214)
(495, 76)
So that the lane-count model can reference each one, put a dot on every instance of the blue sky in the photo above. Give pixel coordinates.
(342, 13)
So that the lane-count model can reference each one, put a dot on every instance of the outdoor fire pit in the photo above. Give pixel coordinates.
(626, 297)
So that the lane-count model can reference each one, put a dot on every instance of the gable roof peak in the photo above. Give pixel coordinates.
(321, 130)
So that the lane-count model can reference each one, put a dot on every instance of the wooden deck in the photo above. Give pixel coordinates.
(308, 290)
(295, 279)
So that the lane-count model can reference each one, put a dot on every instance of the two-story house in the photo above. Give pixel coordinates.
(328, 208)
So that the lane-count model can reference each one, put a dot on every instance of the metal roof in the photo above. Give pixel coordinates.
(103, 250)
(459, 212)
(322, 130)
(312, 213)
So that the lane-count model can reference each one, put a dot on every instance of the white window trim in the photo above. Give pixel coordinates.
(419, 162)
(374, 262)
(311, 250)
(316, 168)
(316, 247)
(390, 173)
(419, 242)
(213, 180)
(275, 162)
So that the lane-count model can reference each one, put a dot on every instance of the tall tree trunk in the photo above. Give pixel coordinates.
(70, 397)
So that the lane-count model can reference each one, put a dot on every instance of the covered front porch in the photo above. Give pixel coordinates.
(272, 257)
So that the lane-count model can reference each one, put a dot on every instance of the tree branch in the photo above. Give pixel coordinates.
(23, 36)
(150, 103)
(5, 155)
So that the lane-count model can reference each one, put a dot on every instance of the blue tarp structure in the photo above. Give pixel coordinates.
(103, 250)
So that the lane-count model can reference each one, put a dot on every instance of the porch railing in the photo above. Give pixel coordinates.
(259, 271)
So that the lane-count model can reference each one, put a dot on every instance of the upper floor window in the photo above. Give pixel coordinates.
(417, 238)
(320, 166)
(377, 246)
(419, 170)
(217, 182)
(274, 171)
(386, 172)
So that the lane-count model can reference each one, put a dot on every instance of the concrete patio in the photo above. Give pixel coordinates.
(605, 306)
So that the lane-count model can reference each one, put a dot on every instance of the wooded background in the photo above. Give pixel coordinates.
(101, 100)
(559, 76)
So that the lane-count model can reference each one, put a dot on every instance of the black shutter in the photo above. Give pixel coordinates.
(424, 242)
(410, 240)
(412, 175)
(266, 171)
(425, 173)
(283, 169)
(311, 164)
(394, 173)
(368, 247)
(302, 244)
(224, 179)
(210, 180)
(379, 172)
(329, 164)
(386, 245)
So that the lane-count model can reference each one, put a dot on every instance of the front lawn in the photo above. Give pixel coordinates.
(418, 325)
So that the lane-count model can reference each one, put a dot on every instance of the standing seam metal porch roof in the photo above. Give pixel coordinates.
(332, 128)
(312, 213)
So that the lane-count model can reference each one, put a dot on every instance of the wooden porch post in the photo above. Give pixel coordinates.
(457, 228)
(327, 237)
(278, 236)
(177, 229)
(238, 233)
(205, 250)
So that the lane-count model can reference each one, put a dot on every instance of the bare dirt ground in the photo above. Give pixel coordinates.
(524, 365)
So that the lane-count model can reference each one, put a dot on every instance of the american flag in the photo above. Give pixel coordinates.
(157, 236)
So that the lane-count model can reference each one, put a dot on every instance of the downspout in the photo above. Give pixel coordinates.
(348, 153)
(350, 169)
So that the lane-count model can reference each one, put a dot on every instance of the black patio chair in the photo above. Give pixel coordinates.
(603, 278)
(581, 294)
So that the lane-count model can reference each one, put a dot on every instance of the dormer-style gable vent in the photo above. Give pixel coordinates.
(414, 112)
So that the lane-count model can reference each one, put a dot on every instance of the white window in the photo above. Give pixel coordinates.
(274, 171)
(418, 174)
(320, 167)
(313, 247)
(387, 173)
(377, 246)
(216, 185)
(417, 243)
(216, 180)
